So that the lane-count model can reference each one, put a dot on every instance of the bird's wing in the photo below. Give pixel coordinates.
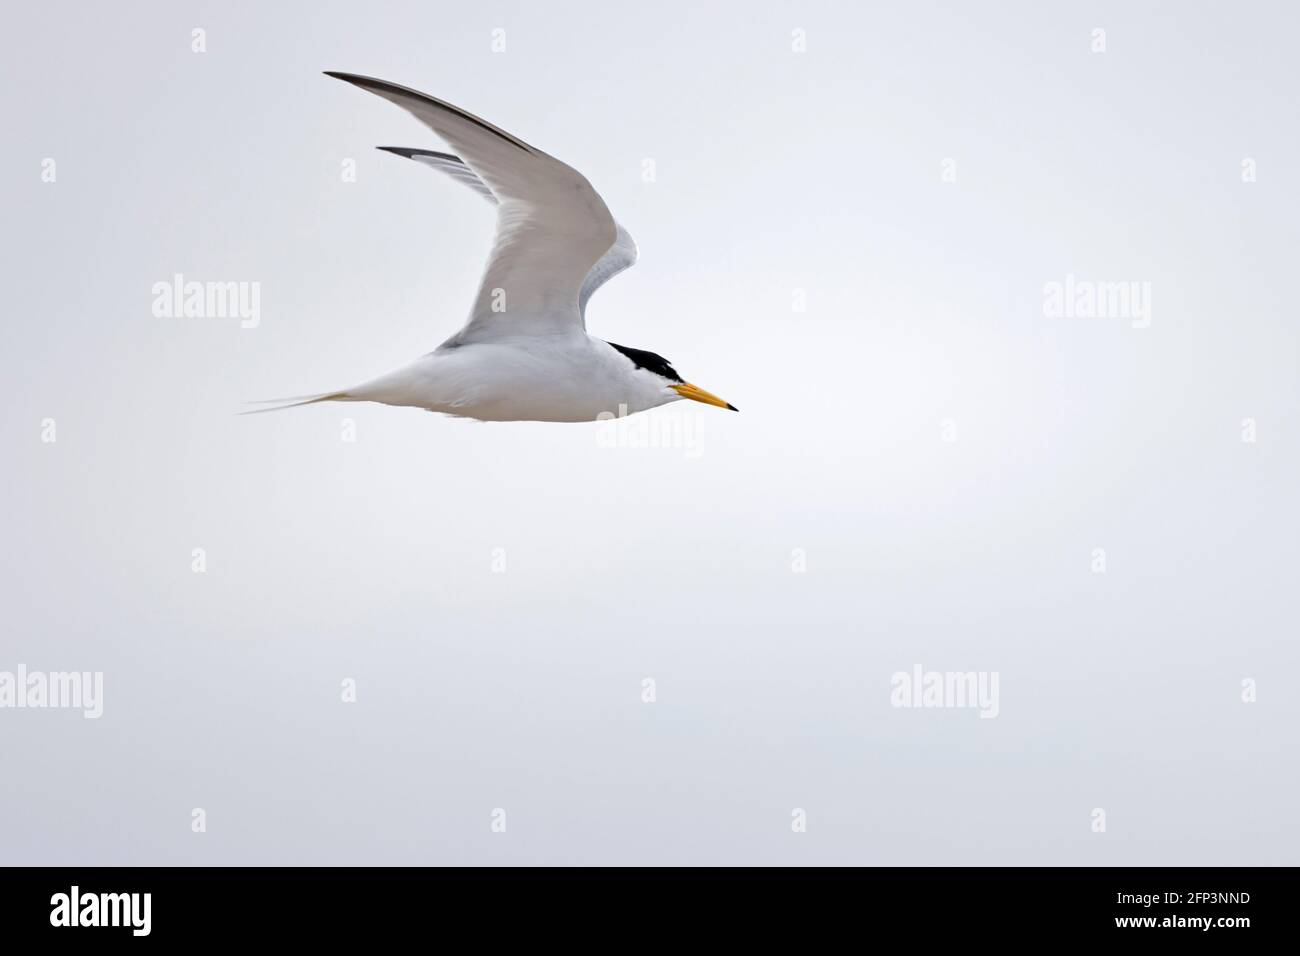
(453, 166)
(621, 255)
(552, 227)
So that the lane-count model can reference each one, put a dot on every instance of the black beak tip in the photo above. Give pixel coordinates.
(732, 407)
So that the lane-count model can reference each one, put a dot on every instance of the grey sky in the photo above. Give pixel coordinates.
(924, 464)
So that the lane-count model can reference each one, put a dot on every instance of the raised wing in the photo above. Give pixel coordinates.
(621, 255)
(552, 227)
(452, 166)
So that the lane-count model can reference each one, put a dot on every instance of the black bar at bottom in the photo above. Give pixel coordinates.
(335, 905)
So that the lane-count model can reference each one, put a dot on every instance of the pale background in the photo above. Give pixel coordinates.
(776, 171)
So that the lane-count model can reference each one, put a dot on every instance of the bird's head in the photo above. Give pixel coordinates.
(666, 377)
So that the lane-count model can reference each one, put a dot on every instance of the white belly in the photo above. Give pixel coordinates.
(555, 379)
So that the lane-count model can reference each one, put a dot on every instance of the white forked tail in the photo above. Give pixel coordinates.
(297, 400)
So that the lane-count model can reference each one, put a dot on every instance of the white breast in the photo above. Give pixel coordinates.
(561, 378)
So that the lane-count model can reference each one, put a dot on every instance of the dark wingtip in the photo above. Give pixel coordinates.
(389, 90)
(365, 82)
(411, 153)
(732, 407)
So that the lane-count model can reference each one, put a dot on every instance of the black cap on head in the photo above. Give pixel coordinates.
(650, 362)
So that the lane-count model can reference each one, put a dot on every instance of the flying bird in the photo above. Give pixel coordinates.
(524, 354)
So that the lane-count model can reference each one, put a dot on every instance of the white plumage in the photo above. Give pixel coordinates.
(524, 354)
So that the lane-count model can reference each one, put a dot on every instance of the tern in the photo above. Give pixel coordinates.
(524, 354)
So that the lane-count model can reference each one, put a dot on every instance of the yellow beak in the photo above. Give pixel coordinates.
(697, 394)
